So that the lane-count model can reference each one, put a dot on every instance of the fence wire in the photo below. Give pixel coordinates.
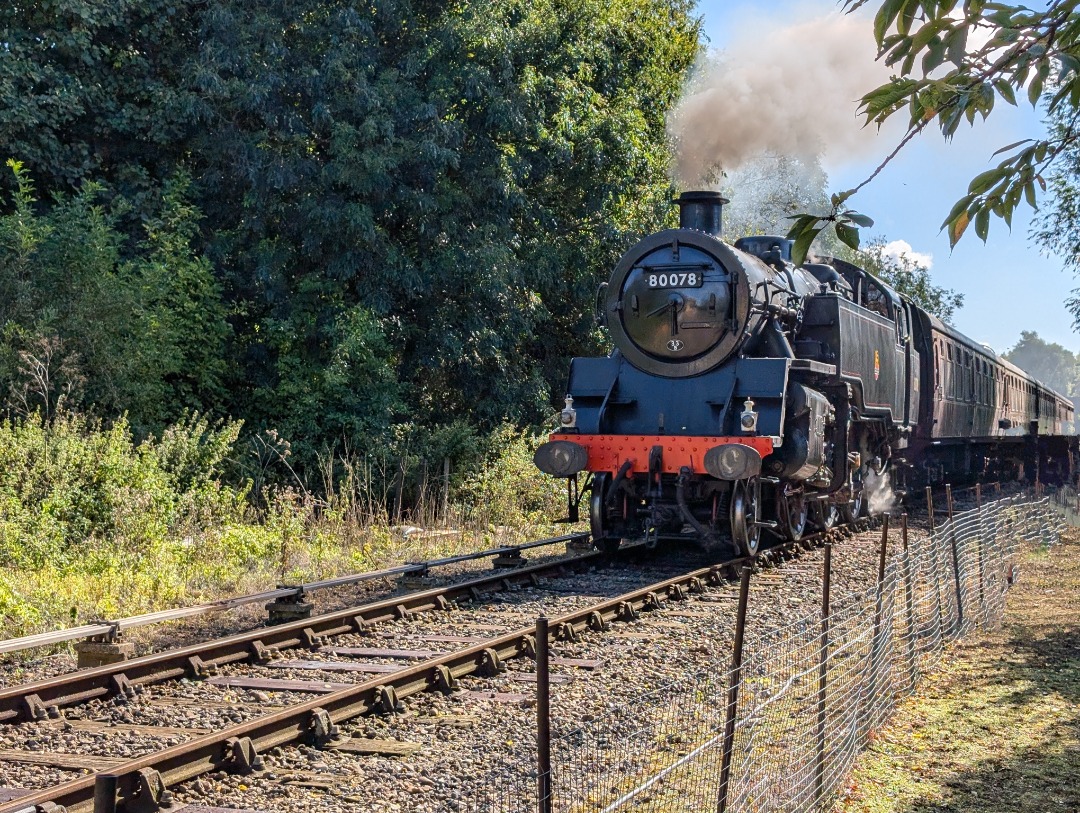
(811, 694)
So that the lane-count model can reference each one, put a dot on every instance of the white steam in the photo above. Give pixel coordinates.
(767, 190)
(788, 91)
(878, 493)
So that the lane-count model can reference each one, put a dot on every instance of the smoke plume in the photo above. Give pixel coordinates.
(786, 91)
(879, 494)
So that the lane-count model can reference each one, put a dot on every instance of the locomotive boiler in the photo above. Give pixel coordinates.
(747, 395)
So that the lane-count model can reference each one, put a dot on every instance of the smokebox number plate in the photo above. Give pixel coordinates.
(675, 279)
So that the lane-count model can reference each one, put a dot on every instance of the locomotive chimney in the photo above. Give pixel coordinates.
(701, 211)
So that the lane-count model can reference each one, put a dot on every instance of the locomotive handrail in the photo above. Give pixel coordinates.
(109, 630)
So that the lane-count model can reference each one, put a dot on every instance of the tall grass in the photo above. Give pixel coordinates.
(95, 525)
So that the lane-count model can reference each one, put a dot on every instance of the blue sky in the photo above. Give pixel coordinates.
(1008, 286)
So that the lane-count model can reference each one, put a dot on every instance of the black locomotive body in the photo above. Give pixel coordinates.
(747, 394)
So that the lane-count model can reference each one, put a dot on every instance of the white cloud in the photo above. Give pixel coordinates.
(902, 248)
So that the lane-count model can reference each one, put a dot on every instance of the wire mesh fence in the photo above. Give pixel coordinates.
(808, 696)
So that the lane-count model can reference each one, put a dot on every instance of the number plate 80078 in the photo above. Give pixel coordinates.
(675, 279)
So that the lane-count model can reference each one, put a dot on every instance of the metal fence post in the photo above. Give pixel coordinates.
(956, 562)
(875, 665)
(979, 542)
(935, 573)
(543, 717)
(823, 679)
(910, 595)
(930, 507)
(733, 691)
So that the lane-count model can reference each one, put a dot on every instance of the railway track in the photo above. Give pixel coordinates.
(341, 677)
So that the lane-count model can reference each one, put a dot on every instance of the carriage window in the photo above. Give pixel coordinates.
(876, 300)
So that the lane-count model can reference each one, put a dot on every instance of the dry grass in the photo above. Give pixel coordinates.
(998, 727)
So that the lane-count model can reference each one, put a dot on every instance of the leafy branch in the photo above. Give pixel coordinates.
(944, 79)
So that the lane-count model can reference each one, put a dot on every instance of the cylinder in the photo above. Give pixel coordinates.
(701, 211)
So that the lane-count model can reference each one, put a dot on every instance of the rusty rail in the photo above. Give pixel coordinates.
(110, 629)
(304, 721)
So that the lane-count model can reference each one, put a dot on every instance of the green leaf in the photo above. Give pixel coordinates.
(848, 235)
(1012, 146)
(907, 16)
(984, 180)
(802, 222)
(956, 44)
(958, 207)
(1006, 91)
(1035, 90)
(982, 223)
(1029, 194)
(839, 198)
(925, 34)
(859, 219)
(885, 16)
(802, 245)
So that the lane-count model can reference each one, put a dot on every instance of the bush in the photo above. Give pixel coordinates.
(96, 525)
(509, 490)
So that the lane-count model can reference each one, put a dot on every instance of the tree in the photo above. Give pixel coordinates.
(910, 277)
(144, 335)
(953, 63)
(426, 192)
(1049, 362)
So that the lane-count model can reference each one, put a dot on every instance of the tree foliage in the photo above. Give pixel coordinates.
(1049, 362)
(954, 61)
(143, 335)
(405, 203)
(910, 277)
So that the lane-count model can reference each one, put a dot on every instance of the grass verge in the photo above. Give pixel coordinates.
(997, 728)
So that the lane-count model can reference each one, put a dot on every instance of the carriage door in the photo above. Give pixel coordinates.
(910, 363)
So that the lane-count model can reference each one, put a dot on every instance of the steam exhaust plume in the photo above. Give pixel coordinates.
(878, 491)
(789, 91)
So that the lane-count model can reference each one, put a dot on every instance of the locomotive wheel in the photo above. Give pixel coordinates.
(745, 532)
(792, 511)
(597, 506)
(825, 515)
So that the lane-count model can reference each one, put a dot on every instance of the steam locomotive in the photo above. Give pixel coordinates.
(747, 395)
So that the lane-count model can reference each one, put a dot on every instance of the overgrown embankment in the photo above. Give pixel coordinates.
(997, 728)
(94, 524)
